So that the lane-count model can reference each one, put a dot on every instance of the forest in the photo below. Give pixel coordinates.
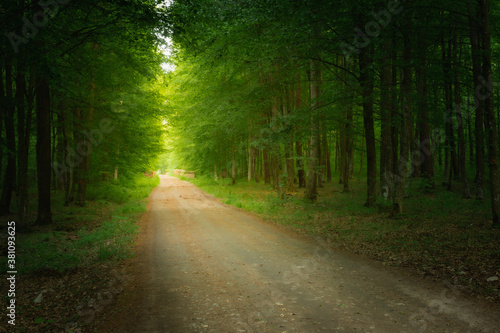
(292, 93)
(82, 97)
(380, 110)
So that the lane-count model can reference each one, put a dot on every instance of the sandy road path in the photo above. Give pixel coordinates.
(205, 267)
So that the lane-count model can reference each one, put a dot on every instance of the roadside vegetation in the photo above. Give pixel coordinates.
(74, 261)
(440, 235)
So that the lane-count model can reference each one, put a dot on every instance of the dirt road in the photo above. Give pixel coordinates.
(205, 267)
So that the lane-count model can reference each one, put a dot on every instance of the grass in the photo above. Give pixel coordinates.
(440, 234)
(103, 230)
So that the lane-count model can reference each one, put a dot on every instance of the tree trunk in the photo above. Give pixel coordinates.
(312, 176)
(23, 141)
(233, 166)
(451, 168)
(479, 104)
(290, 165)
(10, 171)
(458, 114)
(426, 154)
(386, 91)
(321, 160)
(491, 128)
(402, 170)
(3, 104)
(267, 169)
(325, 155)
(328, 162)
(366, 81)
(346, 148)
(43, 153)
(255, 169)
(300, 165)
(298, 144)
(394, 113)
(249, 171)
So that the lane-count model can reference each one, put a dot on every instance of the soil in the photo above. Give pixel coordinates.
(201, 266)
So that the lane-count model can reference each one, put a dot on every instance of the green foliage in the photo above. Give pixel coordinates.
(71, 247)
(123, 190)
(46, 251)
(111, 240)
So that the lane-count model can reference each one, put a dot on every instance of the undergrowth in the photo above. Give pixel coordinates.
(103, 230)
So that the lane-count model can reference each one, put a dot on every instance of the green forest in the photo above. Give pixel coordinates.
(384, 115)
(292, 94)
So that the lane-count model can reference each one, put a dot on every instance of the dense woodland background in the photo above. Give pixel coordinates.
(293, 93)
(290, 93)
(272, 103)
(81, 99)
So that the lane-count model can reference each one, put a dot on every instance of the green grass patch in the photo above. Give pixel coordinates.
(101, 231)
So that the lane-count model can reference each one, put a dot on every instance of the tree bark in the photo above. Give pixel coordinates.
(366, 81)
(23, 141)
(426, 154)
(233, 165)
(312, 176)
(386, 91)
(300, 165)
(458, 113)
(43, 153)
(479, 104)
(267, 171)
(491, 128)
(10, 171)
(402, 170)
(450, 146)
(3, 102)
(298, 144)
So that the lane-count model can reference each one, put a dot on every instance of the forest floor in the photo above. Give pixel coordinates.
(201, 266)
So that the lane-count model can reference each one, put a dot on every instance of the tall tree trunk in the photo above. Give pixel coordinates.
(66, 177)
(300, 165)
(426, 154)
(394, 114)
(479, 103)
(43, 153)
(249, 170)
(402, 170)
(386, 91)
(321, 160)
(255, 164)
(276, 149)
(3, 104)
(470, 137)
(312, 176)
(267, 168)
(450, 147)
(491, 128)
(298, 144)
(346, 148)
(290, 165)
(233, 165)
(460, 123)
(23, 141)
(366, 81)
(328, 160)
(10, 171)
(325, 153)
